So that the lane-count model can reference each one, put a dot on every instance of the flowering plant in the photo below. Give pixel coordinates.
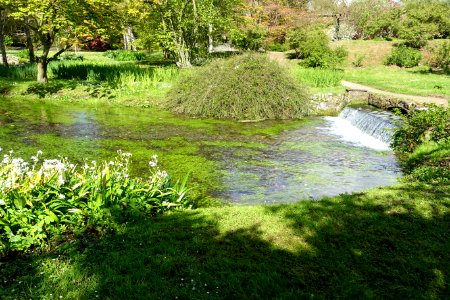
(42, 199)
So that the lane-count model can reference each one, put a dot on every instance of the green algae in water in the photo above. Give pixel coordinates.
(248, 163)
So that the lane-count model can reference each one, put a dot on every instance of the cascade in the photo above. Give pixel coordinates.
(364, 126)
(379, 124)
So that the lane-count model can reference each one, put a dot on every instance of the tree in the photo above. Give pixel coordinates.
(2, 35)
(184, 26)
(65, 20)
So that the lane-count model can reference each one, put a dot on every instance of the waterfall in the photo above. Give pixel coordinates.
(379, 124)
(364, 126)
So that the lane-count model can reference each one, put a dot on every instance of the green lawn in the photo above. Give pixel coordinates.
(414, 81)
(386, 243)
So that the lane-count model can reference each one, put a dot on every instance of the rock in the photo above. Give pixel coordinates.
(12, 60)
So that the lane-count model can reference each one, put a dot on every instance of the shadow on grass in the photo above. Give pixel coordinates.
(49, 88)
(381, 245)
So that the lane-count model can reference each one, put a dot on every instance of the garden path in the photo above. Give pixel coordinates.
(281, 58)
(420, 99)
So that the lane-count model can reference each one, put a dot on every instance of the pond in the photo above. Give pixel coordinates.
(244, 163)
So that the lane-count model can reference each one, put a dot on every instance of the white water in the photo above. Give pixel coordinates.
(349, 133)
(363, 128)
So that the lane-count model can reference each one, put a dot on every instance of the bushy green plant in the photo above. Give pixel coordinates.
(248, 39)
(403, 56)
(429, 125)
(122, 55)
(40, 200)
(423, 142)
(440, 57)
(312, 45)
(245, 87)
(25, 54)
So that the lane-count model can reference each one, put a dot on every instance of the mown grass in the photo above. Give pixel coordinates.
(386, 243)
(414, 81)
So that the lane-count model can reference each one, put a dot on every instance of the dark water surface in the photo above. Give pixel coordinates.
(246, 163)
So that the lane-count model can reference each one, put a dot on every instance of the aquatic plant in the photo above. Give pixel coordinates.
(44, 199)
(245, 87)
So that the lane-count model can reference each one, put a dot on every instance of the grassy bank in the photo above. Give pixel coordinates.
(415, 81)
(380, 244)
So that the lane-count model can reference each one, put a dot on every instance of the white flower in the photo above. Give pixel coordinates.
(111, 163)
(2, 202)
(39, 152)
(1, 148)
(34, 158)
(71, 166)
(152, 163)
(154, 156)
(62, 196)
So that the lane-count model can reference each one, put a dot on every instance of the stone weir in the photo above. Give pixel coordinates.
(383, 101)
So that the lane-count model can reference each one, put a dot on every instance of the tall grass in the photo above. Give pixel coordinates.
(314, 77)
(117, 75)
(25, 72)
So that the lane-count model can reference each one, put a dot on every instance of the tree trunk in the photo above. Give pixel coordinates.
(183, 57)
(42, 70)
(29, 43)
(131, 38)
(125, 41)
(2, 41)
(210, 38)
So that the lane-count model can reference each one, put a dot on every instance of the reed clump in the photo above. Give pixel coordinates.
(245, 87)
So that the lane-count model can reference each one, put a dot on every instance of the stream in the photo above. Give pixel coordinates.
(243, 163)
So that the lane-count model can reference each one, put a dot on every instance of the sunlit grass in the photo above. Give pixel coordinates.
(414, 81)
(385, 242)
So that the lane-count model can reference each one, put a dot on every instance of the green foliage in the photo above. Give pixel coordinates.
(319, 77)
(122, 55)
(42, 200)
(7, 40)
(246, 87)
(440, 57)
(430, 125)
(123, 75)
(26, 72)
(249, 39)
(359, 61)
(312, 45)
(430, 162)
(403, 56)
(424, 143)
(71, 56)
(25, 54)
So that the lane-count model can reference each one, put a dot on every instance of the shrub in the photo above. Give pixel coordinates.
(403, 56)
(440, 57)
(312, 45)
(430, 125)
(40, 200)
(121, 55)
(245, 87)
